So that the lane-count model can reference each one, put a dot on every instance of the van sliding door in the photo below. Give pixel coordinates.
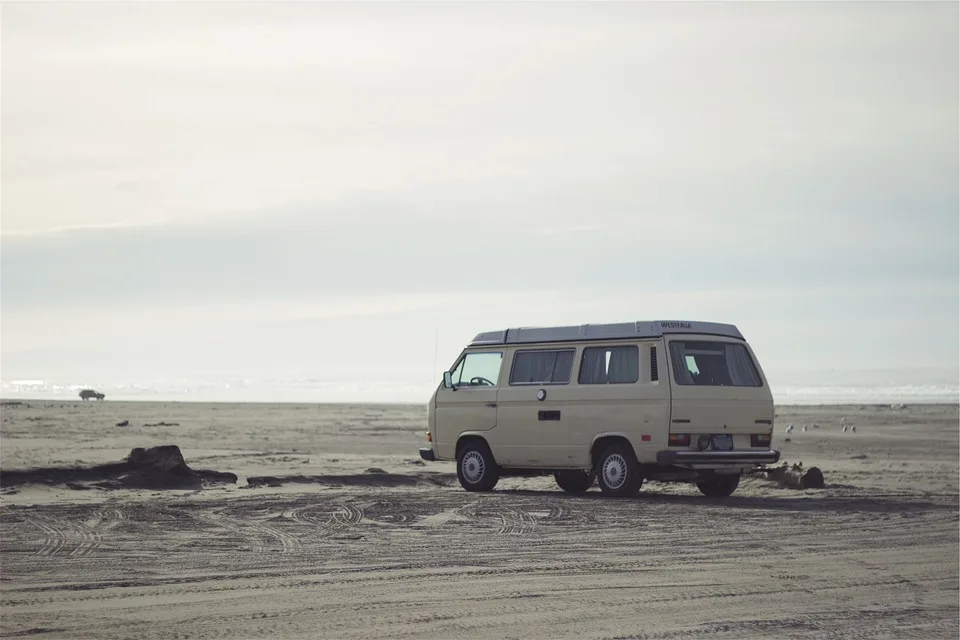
(533, 420)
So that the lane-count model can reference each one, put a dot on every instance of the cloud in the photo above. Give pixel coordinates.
(406, 254)
(213, 111)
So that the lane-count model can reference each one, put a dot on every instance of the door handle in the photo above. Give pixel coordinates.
(492, 405)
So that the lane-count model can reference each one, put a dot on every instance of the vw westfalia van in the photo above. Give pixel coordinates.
(615, 403)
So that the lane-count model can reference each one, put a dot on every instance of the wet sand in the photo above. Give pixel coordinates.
(334, 528)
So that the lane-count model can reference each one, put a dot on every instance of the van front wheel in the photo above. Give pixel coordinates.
(573, 481)
(618, 472)
(719, 486)
(476, 468)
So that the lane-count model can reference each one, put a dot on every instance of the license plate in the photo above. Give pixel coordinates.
(723, 442)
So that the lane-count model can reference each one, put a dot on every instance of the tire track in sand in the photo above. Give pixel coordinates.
(111, 519)
(344, 517)
(513, 518)
(257, 533)
(391, 513)
(61, 536)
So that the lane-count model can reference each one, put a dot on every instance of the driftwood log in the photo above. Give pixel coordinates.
(161, 467)
(796, 477)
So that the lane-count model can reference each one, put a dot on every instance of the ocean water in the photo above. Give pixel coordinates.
(803, 388)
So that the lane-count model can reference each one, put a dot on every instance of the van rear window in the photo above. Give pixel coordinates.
(542, 367)
(713, 364)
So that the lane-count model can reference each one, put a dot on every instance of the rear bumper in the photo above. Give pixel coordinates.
(427, 454)
(717, 457)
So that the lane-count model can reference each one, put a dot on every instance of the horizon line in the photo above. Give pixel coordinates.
(24, 400)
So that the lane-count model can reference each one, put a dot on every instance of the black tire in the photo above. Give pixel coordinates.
(476, 468)
(618, 472)
(573, 481)
(719, 486)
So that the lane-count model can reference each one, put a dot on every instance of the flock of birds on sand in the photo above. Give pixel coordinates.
(843, 421)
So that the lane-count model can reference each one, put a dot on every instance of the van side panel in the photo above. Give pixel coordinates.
(638, 411)
(559, 430)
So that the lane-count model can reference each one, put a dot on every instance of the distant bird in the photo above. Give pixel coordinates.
(854, 429)
(844, 428)
(804, 427)
(789, 428)
(816, 426)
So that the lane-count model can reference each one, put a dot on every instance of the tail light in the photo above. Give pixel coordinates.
(760, 440)
(679, 440)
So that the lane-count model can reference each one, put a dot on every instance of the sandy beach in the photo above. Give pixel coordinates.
(333, 528)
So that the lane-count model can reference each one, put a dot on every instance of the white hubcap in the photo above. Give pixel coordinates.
(472, 466)
(614, 471)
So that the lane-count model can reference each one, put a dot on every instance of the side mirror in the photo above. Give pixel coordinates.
(448, 380)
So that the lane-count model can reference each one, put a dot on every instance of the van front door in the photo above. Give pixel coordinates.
(470, 403)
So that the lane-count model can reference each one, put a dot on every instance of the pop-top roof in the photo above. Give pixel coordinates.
(615, 331)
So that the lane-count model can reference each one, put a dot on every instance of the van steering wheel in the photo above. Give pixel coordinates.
(481, 381)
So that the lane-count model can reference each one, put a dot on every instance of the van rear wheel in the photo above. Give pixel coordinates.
(476, 468)
(618, 472)
(719, 486)
(574, 481)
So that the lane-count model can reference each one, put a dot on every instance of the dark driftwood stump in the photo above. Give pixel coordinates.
(798, 478)
(161, 467)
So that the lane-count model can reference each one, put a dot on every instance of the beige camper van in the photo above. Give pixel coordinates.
(611, 403)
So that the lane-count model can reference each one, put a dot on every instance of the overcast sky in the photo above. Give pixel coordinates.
(313, 190)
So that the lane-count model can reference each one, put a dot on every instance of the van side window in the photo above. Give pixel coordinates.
(478, 369)
(716, 364)
(542, 367)
(610, 365)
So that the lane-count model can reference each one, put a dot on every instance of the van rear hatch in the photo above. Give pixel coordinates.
(718, 389)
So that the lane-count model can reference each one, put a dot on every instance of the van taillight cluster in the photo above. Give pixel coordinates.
(760, 440)
(679, 440)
